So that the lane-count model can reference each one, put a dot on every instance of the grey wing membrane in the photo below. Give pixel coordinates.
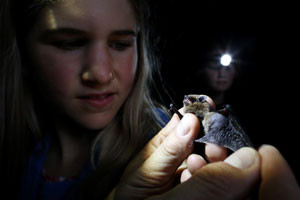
(245, 140)
(242, 138)
(225, 131)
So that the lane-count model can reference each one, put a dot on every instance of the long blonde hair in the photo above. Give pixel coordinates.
(20, 128)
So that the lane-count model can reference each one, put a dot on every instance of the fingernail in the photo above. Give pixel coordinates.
(243, 158)
(183, 126)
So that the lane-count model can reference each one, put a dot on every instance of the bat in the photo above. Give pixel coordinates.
(220, 127)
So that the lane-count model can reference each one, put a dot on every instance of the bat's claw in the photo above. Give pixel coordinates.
(175, 110)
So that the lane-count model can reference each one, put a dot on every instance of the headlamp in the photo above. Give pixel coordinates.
(225, 60)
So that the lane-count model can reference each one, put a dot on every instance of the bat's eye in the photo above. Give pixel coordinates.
(189, 99)
(201, 99)
(192, 99)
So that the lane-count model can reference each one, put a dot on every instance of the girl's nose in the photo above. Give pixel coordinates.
(220, 72)
(99, 68)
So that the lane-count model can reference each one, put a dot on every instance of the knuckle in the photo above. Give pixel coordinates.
(171, 149)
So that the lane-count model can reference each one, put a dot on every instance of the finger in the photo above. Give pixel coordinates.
(182, 167)
(157, 172)
(210, 102)
(175, 148)
(278, 181)
(233, 179)
(195, 162)
(215, 153)
(243, 158)
(159, 138)
(153, 144)
(186, 174)
(179, 171)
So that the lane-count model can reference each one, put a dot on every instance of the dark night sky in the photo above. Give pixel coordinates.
(267, 40)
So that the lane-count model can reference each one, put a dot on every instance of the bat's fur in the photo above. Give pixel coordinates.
(220, 127)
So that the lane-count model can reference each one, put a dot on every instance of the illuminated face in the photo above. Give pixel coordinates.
(84, 56)
(220, 78)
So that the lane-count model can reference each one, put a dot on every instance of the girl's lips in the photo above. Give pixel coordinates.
(97, 100)
(222, 82)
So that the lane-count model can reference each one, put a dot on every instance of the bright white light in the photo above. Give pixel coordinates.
(225, 60)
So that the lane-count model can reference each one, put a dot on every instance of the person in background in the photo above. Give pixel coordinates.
(77, 119)
(218, 74)
(220, 79)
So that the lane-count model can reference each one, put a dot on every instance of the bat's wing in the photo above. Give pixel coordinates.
(225, 131)
(240, 130)
(236, 124)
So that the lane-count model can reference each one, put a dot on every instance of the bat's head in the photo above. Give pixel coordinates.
(196, 104)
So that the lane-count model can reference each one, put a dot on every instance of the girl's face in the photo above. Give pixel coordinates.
(84, 55)
(219, 78)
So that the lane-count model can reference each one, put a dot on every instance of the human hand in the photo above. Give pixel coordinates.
(233, 178)
(277, 179)
(154, 170)
(264, 171)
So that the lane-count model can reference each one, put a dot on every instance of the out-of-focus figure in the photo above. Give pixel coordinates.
(217, 76)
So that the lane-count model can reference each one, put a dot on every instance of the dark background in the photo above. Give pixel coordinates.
(265, 36)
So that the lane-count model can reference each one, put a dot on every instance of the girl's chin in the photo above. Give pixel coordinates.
(95, 125)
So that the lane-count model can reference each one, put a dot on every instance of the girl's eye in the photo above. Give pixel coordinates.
(214, 67)
(120, 45)
(69, 44)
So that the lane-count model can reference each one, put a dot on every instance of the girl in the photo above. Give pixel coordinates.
(79, 73)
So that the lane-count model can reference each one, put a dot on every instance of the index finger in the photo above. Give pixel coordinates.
(215, 153)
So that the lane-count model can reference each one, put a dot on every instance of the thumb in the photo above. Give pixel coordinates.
(278, 180)
(232, 179)
(156, 173)
(173, 150)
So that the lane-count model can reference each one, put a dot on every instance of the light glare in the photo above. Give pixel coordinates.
(225, 60)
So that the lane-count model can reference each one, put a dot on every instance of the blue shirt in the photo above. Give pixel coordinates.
(34, 186)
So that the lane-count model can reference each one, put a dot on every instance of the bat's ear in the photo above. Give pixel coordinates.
(227, 110)
(201, 98)
(227, 107)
